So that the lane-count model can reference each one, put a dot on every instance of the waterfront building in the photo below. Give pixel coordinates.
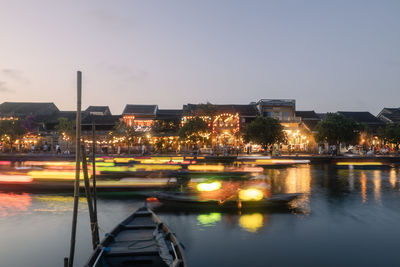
(309, 120)
(98, 110)
(224, 121)
(368, 136)
(99, 116)
(366, 118)
(164, 132)
(141, 117)
(157, 129)
(103, 122)
(35, 114)
(389, 115)
(299, 137)
(20, 110)
(308, 128)
(280, 109)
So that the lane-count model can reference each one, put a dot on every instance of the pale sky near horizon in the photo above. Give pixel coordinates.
(328, 55)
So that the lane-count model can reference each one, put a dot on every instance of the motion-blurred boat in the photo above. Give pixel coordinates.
(188, 200)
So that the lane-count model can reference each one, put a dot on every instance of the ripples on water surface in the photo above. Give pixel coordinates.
(348, 218)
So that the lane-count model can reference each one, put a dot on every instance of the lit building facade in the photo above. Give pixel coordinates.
(141, 117)
(225, 122)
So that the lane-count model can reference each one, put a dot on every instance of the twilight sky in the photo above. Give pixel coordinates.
(328, 55)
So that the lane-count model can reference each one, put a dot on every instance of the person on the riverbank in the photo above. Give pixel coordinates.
(334, 150)
(58, 149)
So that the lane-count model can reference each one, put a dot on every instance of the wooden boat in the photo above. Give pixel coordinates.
(363, 165)
(140, 240)
(185, 200)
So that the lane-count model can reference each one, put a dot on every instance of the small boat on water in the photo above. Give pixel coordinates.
(185, 200)
(363, 165)
(140, 240)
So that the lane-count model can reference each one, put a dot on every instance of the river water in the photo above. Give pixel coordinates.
(347, 218)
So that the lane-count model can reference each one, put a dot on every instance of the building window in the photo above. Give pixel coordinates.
(286, 116)
(268, 114)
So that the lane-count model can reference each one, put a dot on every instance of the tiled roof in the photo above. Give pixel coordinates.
(27, 108)
(361, 116)
(309, 118)
(169, 114)
(310, 124)
(99, 109)
(140, 109)
(243, 110)
(307, 115)
(100, 119)
(392, 117)
(277, 102)
(53, 118)
(390, 110)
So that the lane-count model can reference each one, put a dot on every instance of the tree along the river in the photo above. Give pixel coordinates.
(391, 134)
(10, 131)
(67, 129)
(265, 131)
(130, 133)
(163, 128)
(336, 129)
(194, 131)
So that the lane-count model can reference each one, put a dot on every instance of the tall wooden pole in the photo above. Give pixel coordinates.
(89, 197)
(94, 181)
(77, 170)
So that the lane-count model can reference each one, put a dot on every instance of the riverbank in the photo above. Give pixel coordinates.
(314, 159)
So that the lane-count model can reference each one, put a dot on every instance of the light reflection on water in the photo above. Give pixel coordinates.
(251, 222)
(342, 209)
(209, 220)
(12, 204)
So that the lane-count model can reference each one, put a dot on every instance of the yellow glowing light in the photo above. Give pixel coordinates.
(209, 186)
(54, 175)
(359, 163)
(250, 194)
(157, 167)
(251, 222)
(123, 160)
(105, 164)
(206, 167)
(113, 169)
(49, 163)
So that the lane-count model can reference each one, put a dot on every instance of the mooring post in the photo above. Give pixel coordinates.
(96, 229)
(77, 170)
(88, 196)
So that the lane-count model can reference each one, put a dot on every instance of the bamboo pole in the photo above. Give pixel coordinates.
(88, 196)
(77, 169)
(94, 182)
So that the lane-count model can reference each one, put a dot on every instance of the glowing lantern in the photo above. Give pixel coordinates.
(250, 194)
(209, 186)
